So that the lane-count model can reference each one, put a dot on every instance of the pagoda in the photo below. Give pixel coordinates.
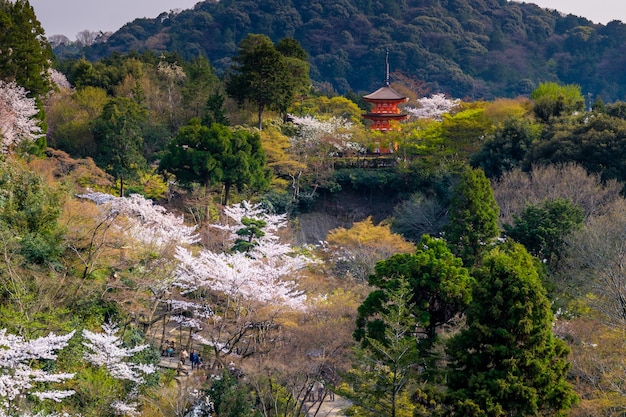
(385, 101)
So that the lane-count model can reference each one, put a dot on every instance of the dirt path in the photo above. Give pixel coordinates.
(327, 408)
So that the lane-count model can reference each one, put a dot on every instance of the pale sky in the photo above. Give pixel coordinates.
(598, 11)
(68, 17)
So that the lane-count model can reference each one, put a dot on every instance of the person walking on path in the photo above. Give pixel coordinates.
(183, 355)
(320, 391)
(193, 357)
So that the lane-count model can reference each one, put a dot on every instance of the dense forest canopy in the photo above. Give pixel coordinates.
(476, 49)
(239, 211)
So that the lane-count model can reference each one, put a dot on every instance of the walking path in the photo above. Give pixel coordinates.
(327, 408)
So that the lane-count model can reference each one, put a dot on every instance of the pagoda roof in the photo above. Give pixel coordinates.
(385, 93)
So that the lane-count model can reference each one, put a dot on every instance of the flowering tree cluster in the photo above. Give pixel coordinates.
(17, 117)
(148, 223)
(333, 133)
(265, 275)
(433, 107)
(257, 275)
(106, 349)
(152, 230)
(18, 374)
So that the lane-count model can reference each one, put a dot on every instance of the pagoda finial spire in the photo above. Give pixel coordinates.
(387, 66)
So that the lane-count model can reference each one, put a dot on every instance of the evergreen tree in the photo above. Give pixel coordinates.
(119, 138)
(385, 369)
(473, 216)
(440, 289)
(264, 76)
(508, 148)
(543, 228)
(216, 154)
(25, 55)
(507, 362)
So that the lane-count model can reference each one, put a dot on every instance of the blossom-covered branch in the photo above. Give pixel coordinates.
(17, 376)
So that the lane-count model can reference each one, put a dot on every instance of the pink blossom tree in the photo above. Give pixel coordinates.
(152, 235)
(18, 123)
(19, 375)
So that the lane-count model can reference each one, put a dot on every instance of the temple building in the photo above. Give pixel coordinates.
(385, 113)
(385, 109)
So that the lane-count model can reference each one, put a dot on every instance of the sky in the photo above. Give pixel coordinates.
(69, 17)
(598, 11)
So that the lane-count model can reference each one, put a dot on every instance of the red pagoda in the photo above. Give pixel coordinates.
(385, 111)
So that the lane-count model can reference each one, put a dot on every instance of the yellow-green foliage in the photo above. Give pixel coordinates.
(335, 106)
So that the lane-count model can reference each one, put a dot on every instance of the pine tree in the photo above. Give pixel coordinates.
(507, 362)
(265, 75)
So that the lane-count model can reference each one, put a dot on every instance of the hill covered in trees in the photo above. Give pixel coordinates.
(474, 49)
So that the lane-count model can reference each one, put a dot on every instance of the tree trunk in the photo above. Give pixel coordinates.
(260, 125)
(121, 186)
(226, 192)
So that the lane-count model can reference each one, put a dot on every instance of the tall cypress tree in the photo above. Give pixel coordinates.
(507, 362)
(25, 54)
(473, 216)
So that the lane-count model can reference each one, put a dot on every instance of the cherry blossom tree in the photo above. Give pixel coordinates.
(19, 377)
(264, 278)
(153, 234)
(17, 117)
(433, 107)
(107, 350)
(315, 143)
(254, 275)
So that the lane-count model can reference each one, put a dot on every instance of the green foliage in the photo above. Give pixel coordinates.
(384, 369)
(26, 55)
(507, 362)
(264, 76)
(594, 141)
(473, 216)
(217, 154)
(463, 131)
(118, 135)
(508, 148)
(29, 212)
(543, 228)
(440, 289)
(553, 100)
(475, 49)
(253, 230)
(231, 397)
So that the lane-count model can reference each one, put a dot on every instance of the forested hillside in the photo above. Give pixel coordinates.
(468, 261)
(475, 49)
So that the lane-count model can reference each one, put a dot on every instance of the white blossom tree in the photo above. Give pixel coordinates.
(107, 350)
(17, 117)
(263, 278)
(257, 275)
(315, 144)
(152, 235)
(18, 375)
(433, 107)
